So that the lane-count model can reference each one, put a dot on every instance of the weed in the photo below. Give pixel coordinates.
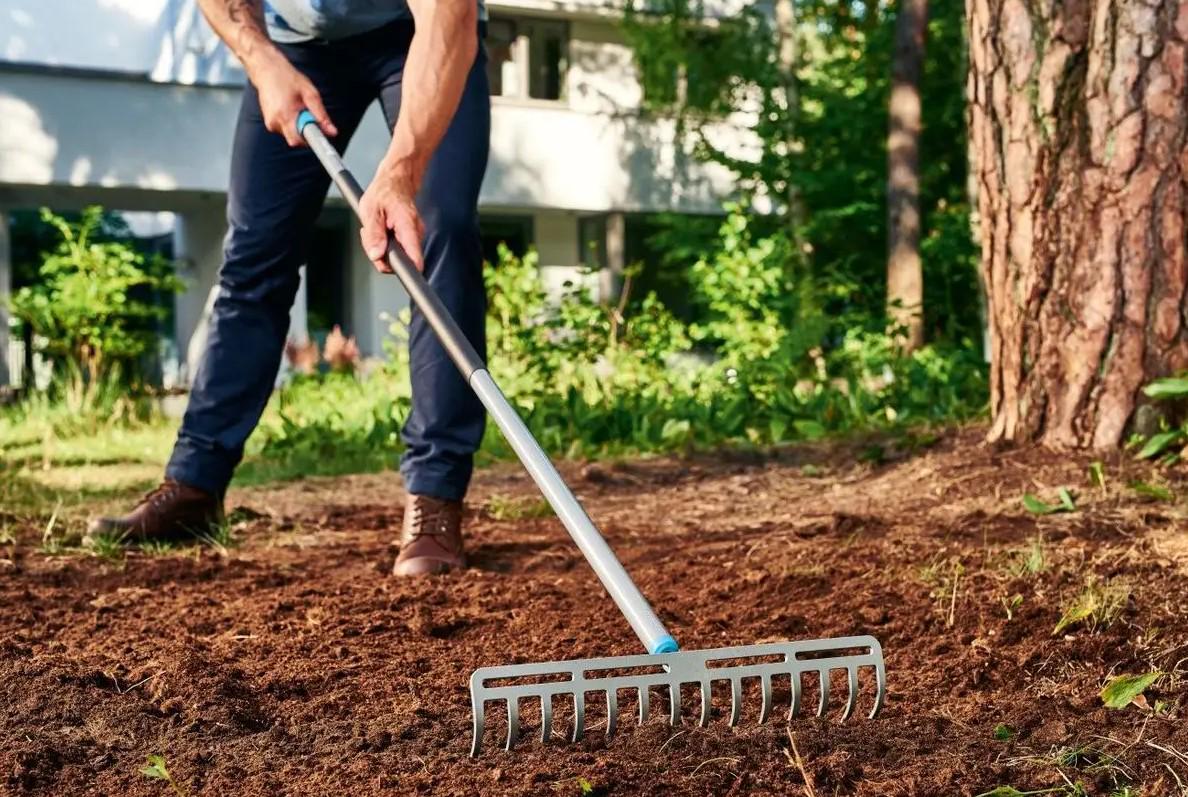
(944, 577)
(1120, 692)
(106, 546)
(157, 548)
(157, 770)
(217, 536)
(1003, 732)
(1098, 605)
(1029, 561)
(1097, 475)
(1011, 604)
(1038, 507)
(506, 507)
(1154, 491)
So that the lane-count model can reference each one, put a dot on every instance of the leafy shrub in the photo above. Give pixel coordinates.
(594, 377)
(1169, 443)
(92, 312)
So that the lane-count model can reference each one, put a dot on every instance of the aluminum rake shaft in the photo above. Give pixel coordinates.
(668, 672)
(614, 578)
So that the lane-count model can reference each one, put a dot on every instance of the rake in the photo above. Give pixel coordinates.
(664, 667)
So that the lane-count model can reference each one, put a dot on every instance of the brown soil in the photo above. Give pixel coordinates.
(293, 664)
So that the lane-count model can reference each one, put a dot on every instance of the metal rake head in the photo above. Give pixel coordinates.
(670, 671)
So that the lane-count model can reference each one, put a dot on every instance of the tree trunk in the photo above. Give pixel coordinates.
(1077, 136)
(905, 278)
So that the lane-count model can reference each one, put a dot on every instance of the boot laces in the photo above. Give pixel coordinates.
(431, 520)
(160, 494)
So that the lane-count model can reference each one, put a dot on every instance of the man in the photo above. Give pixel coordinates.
(424, 62)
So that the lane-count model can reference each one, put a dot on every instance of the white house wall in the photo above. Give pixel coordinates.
(114, 133)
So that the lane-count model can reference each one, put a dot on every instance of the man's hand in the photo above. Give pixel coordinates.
(389, 203)
(284, 93)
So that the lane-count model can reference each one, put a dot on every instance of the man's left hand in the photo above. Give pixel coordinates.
(389, 203)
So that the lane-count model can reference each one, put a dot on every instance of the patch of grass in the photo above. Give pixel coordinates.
(158, 548)
(107, 546)
(218, 536)
(1097, 606)
(1029, 561)
(505, 507)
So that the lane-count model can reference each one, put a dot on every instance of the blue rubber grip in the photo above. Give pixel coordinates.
(305, 118)
(666, 645)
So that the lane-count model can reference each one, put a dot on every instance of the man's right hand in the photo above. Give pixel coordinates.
(285, 93)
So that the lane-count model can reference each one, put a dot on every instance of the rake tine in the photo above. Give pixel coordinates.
(735, 700)
(674, 704)
(796, 689)
(823, 703)
(880, 688)
(612, 711)
(546, 717)
(765, 689)
(852, 674)
(579, 716)
(643, 705)
(705, 704)
(513, 722)
(476, 739)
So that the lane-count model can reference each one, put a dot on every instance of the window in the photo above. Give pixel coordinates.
(527, 58)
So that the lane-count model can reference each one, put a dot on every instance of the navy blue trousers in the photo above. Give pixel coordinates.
(275, 195)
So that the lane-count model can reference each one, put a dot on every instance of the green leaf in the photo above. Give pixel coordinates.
(1156, 443)
(1121, 691)
(156, 768)
(585, 786)
(1171, 387)
(1066, 500)
(1097, 475)
(674, 430)
(1036, 506)
(1003, 732)
(809, 430)
(1152, 491)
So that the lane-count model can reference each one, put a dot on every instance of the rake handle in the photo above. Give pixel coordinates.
(610, 571)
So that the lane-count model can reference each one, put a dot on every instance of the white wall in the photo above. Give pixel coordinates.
(114, 133)
(198, 250)
(167, 40)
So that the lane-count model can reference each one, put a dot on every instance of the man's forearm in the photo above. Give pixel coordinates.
(439, 59)
(240, 24)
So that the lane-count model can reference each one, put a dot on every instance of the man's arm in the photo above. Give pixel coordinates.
(283, 91)
(439, 59)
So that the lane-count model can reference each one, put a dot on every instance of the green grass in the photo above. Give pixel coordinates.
(505, 507)
(1096, 606)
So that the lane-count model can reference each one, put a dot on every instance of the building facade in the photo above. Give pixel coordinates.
(131, 104)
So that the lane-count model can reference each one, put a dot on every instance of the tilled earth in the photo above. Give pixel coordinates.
(291, 663)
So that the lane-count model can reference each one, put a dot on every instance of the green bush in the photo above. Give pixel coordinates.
(765, 366)
(92, 311)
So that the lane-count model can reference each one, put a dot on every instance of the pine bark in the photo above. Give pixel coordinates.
(1077, 117)
(905, 276)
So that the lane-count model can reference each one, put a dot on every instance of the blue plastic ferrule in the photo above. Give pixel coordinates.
(304, 118)
(666, 644)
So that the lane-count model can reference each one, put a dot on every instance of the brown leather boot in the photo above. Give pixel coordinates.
(172, 511)
(431, 540)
